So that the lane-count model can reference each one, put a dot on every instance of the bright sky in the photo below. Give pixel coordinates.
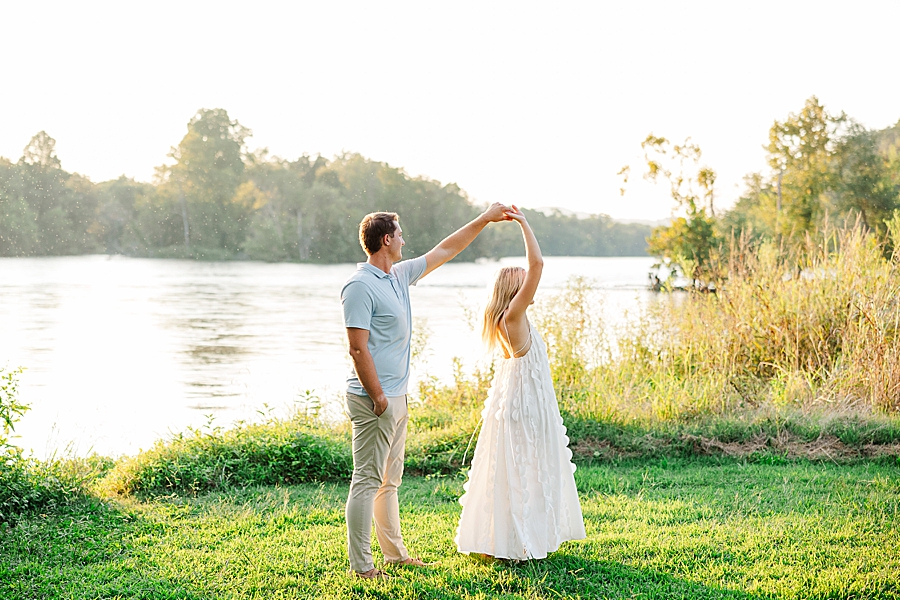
(537, 104)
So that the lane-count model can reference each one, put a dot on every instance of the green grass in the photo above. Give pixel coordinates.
(277, 451)
(668, 528)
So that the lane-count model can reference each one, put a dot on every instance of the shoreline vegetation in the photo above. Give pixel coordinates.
(772, 368)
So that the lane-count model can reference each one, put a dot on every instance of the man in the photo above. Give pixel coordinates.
(378, 318)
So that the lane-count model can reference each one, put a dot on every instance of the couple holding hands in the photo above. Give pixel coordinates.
(520, 500)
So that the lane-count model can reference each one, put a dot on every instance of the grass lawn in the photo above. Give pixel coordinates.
(700, 528)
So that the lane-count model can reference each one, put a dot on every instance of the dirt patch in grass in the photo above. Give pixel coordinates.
(785, 444)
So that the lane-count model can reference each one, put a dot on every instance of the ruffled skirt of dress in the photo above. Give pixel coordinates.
(520, 500)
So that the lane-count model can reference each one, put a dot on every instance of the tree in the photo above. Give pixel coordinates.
(19, 228)
(118, 224)
(755, 213)
(688, 246)
(41, 151)
(863, 179)
(45, 210)
(689, 243)
(821, 164)
(800, 152)
(201, 185)
(283, 226)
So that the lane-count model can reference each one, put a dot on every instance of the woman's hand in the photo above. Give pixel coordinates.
(515, 214)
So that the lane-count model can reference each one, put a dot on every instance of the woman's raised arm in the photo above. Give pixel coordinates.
(525, 295)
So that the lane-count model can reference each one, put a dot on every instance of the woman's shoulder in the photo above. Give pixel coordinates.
(515, 318)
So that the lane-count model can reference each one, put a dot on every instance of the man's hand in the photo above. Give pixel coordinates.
(381, 405)
(496, 212)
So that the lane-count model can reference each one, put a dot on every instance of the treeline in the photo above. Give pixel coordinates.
(216, 200)
(824, 170)
(822, 166)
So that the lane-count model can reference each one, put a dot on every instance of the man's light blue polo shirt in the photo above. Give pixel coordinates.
(379, 302)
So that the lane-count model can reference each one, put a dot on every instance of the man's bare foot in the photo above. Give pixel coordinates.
(410, 562)
(371, 574)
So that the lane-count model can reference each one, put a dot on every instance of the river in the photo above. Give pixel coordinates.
(120, 352)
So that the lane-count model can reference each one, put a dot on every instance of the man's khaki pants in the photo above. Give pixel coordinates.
(378, 445)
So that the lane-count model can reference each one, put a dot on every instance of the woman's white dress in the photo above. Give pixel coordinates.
(520, 501)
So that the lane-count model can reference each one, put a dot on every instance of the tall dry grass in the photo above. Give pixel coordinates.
(813, 329)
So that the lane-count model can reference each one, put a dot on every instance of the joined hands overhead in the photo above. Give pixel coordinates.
(497, 212)
(515, 214)
(500, 212)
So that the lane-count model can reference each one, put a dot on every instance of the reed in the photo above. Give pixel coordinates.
(807, 336)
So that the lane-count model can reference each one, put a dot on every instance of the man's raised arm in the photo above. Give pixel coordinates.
(457, 241)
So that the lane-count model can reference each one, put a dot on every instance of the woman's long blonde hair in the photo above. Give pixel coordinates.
(506, 286)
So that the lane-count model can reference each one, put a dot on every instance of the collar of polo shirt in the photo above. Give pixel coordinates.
(372, 269)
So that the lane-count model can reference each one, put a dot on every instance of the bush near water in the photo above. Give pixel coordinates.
(29, 485)
(278, 452)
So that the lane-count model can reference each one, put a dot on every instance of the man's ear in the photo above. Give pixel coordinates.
(385, 241)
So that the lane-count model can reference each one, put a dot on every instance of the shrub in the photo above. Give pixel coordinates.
(276, 452)
(27, 484)
(10, 408)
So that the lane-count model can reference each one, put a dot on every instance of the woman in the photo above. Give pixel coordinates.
(520, 500)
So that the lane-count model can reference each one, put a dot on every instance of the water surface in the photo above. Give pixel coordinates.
(122, 351)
